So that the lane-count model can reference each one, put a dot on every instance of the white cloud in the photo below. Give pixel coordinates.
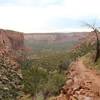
(37, 18)
(31, 2)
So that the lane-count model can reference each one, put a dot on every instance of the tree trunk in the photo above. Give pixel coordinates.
(97, 47)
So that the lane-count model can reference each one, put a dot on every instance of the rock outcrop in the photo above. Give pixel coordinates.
(10, 77)
(11, 39)
(10, 70)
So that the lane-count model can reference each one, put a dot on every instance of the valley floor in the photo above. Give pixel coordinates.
(83, 83)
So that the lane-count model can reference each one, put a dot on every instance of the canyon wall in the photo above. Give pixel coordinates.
(54, 37)
(11, 39)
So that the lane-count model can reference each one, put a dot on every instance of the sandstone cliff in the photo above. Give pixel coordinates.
(11, 39)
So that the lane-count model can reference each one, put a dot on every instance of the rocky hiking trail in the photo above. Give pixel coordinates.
(82, 84)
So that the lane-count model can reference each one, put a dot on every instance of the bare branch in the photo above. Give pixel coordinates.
(96, 31)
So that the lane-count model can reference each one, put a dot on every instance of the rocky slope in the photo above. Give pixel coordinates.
(10, 77)
(10, 71)
(82, 83)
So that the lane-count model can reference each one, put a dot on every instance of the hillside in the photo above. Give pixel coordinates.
(10, 76)
(82, 83)
(10, 70)
(83, 74)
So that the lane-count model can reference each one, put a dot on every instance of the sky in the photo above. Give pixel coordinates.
(48, 15)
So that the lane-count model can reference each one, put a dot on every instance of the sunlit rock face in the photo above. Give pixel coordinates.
(11, 39)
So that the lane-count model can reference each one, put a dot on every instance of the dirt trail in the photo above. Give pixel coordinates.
(83, 83)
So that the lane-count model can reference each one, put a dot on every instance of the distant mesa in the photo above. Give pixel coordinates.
(15, 40)
(54, 37)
